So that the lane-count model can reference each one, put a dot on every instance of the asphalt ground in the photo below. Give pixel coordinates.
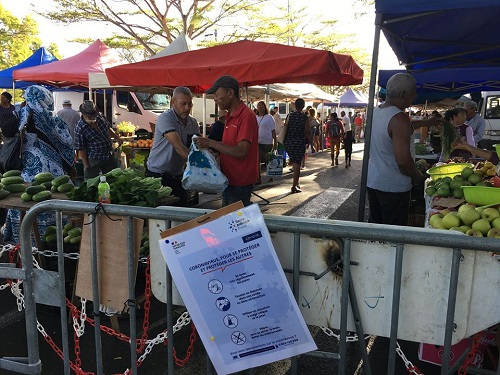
(327, 192)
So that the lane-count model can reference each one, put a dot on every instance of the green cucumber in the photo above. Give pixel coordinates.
(75, 232)
(15, 188)
(32, 190)
(51, 229)
(26, 197)
(65, 188)
(51, 238)
(67, 239)
(47, 184)
(42, 196)
(68, 226)
(11, 173)
(4, 193)
(75, 240)
(12, 180)
(44, 177)
(60, 180)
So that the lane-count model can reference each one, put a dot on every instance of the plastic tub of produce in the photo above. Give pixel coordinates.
(481, 195)
(448, 170)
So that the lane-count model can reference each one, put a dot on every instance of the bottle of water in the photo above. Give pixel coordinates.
(103, 191)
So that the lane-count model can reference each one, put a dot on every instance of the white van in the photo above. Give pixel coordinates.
(489, 108)
(141, 109)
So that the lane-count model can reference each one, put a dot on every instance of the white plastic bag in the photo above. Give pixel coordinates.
(202, 172)
(274, 166)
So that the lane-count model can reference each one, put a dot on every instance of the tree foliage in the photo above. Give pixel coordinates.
(150, 25)
(18, 38)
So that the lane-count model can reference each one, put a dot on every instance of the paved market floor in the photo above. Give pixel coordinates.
(328, 192)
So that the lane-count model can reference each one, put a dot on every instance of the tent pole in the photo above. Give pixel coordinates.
(369, 118)
(204, 133)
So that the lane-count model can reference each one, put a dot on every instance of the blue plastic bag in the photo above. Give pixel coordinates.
(202, 172)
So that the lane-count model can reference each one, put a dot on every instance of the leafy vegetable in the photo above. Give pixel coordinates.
(127, 187)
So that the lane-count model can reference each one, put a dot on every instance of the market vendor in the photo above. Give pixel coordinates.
(173, 133)
(93, 141)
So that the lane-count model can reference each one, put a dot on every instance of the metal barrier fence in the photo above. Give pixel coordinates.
(36, 282)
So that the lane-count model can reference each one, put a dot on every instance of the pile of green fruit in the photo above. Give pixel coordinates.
(11, 182)
(452, 187)
(471, 220)
(72, 235)
(44, 185)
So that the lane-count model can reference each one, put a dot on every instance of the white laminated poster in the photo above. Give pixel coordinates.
(236, 292)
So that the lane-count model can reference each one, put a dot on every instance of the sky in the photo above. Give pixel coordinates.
(363, 28)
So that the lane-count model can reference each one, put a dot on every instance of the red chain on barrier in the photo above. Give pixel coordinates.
(12, 253)
(469, 359)
(76, 366)
(190, 349)
(147, 307)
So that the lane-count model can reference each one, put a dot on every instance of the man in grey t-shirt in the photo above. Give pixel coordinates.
(173, 133)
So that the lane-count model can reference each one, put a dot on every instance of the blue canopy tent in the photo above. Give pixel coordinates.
(434, 85)
(432, 35)
(40, 57)
(352, 99)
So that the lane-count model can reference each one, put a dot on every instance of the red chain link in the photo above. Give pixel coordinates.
(12, 253)
(78, 361)
(147, 308)
(189, 351)
(469, 359)
(60, 353)
(414, 370)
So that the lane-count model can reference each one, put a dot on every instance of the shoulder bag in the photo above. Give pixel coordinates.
(281, 136)
(12, 148)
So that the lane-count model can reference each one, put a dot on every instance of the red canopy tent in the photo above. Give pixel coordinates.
(72, 71)
(250, 62)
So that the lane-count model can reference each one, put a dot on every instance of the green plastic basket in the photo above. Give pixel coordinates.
(448, 170)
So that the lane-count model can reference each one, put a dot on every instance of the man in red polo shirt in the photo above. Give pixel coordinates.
(239, 149)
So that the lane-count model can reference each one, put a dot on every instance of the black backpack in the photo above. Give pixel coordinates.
(334, 129)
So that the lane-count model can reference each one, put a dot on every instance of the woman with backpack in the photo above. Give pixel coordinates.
(335, 132)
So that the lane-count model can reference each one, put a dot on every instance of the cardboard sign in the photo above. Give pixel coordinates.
(112, 264)
(228, 274)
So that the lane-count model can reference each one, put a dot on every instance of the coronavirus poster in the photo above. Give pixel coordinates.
(236, 292)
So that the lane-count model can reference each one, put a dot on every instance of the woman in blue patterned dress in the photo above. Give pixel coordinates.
(47, 147)
(297, 129)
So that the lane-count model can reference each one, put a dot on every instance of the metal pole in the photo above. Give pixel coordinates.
(369, 118)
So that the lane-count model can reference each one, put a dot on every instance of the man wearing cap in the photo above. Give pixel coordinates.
(92, 141)
(239, 149)
(69, 116)
(174, 131)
